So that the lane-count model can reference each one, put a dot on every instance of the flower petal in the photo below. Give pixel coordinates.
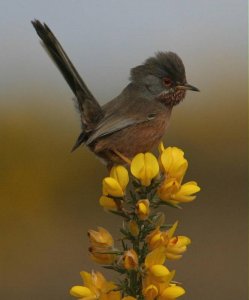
(155, 257)
(145, 167)
(107, 203)
(186, 191)
(79, 291)
(112, 187)
(161, 147)
(169, 187)
(183, 240)
(172, 230)
(172, 256)
(87, 279)
(173, 292)
(143, 209)
(120, 174)
(160, 272)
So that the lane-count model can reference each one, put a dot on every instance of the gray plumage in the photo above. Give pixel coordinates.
(140, 112)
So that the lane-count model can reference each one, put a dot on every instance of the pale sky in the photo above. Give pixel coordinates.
(105, 39)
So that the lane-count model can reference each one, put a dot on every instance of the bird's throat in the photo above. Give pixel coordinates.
(172, 98)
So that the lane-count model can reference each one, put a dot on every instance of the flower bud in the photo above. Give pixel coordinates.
(150, 292)
(143, 209)
(130, 260)
(133, 228)
(101, 238)
(99, 256)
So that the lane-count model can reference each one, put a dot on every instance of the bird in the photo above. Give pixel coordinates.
(136, 120)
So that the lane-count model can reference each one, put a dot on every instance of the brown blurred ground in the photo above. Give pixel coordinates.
(49, 198)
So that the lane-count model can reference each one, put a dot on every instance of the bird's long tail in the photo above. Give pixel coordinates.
(88, 106)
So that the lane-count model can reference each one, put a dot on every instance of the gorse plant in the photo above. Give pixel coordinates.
(147, 243)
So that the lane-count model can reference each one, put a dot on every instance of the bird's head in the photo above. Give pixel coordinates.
(164, 77)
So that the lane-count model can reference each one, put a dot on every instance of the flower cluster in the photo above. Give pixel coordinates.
(147, 243)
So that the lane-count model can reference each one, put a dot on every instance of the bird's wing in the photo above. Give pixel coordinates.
(88, 106)
(135, 112)
(112, 125)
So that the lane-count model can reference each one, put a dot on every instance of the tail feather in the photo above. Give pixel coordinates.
(80, 140)
(88, 106)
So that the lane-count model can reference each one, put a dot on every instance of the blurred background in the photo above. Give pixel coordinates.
(49, 197)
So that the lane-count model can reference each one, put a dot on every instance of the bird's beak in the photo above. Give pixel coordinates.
(187, 86)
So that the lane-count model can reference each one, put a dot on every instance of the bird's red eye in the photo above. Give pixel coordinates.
(167, 81)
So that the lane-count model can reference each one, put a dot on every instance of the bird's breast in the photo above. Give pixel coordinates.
(137, 138)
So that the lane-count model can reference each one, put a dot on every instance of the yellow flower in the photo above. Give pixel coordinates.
(101, 246)
(173, 163)
(162, 289)
(156, 283)
(128, 298)
(171, 191)
(144, 167)
(133, 228)
(130, 260)
(115, 185)
(169, 187)
(95, 287)
(155, 239)
(107, 203)
(143, 209)
(174, 246)
(186, 191)
(177, 246)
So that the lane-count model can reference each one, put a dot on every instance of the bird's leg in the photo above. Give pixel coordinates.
(124, 158)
